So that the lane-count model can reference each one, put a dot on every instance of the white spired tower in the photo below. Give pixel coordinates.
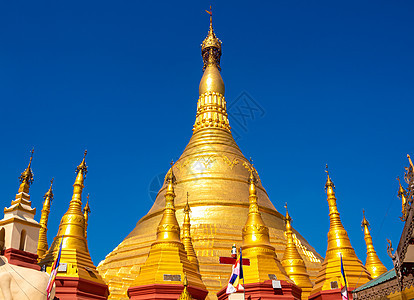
(19, 231)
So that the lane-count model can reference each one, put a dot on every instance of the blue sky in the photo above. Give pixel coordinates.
(333, 80)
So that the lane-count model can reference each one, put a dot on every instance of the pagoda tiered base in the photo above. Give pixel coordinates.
(21, 258)
(164, 292)
(74, 288)
(265, 291)
(330, 295)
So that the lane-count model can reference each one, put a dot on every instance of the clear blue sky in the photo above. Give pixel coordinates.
(334, 79)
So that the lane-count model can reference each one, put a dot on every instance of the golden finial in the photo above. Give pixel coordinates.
(329, 186)
(49, 193)
(403, 195)
(411, 163)
(82, 167)
(26, 178)
(211, 46)
(288, 219)
(364, 220)
(210, 12)
(87, 208)
(250, 167)
(75, 205)
(170, 179)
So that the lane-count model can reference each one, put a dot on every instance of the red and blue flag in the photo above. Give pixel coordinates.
(53, 272)
(236, 276)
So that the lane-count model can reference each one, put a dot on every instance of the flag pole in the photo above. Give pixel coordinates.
(241, 266)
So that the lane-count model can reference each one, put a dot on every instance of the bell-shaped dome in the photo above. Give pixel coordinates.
(215, 174)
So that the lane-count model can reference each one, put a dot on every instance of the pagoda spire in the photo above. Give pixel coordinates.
(186, 237)
(22, 200)
(373, 263)
(86, 212)
(256, 242)
(42, 245)
(75, 253)
(19, 226)
(403, 195)
(211, 106)
(26, 178)
(75, 205)
(293, 263)
(338, 244)
(168, 228)
(185, 295)
(167, 254)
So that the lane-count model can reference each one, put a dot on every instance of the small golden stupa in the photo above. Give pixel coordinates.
(256, 243)
(42, 245)
(329, 276)
(186, 237)
(293, 262)
(75, 254)
(212, 169)
(167, 254)
(373, 263)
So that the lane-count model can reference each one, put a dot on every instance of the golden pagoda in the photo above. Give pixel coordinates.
(373, 263)
(42, 245)
(75, 255)
(293, 263)
(256, 243)
(213, 170)
(167, 255)
(186, 237)
(329, 276)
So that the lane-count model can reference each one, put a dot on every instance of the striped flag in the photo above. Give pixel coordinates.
(344, 289)
(53, 272)
(236, 277)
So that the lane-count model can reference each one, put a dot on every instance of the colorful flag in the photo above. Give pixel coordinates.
(344, 289)
(53, 272)
(236, 277)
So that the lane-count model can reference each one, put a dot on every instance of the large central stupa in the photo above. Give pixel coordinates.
(215, 174)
